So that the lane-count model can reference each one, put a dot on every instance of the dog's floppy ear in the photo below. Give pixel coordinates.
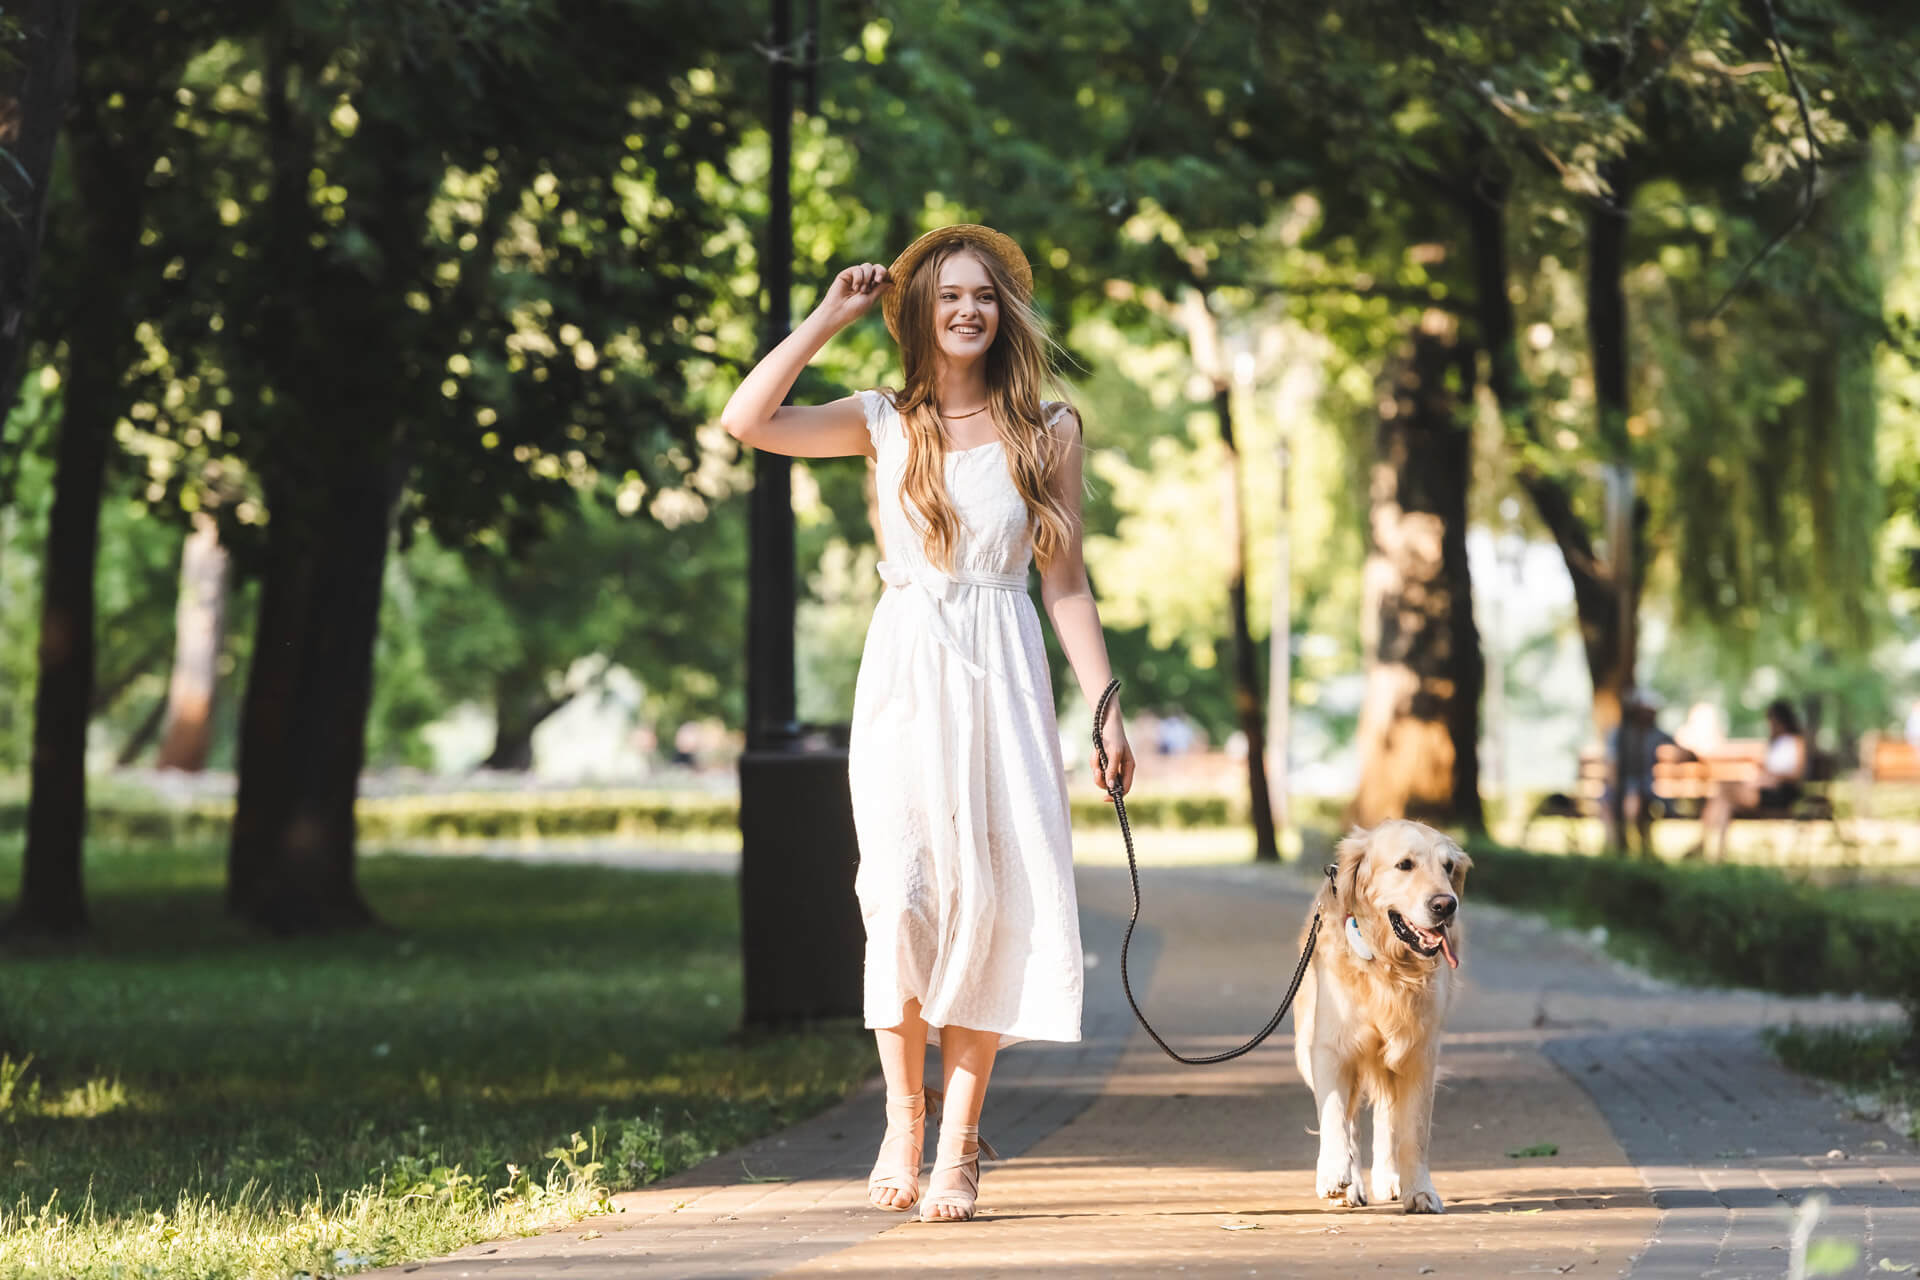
(1461, 865)
(1347, 856)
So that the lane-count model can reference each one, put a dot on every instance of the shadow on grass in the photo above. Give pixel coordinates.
(500, 1009)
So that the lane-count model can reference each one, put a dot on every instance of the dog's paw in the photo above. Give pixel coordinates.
(1335, 1178)
(1356, 1196)
(1422, 1200)
(1386, 1186)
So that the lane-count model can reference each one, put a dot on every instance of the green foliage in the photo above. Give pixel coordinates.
(22, 533)
(185, 1096)
(567, 815)
(524, 633)
(1830, 1256)
(505, 254)
(1881, 1061)
(135, 581)
(537, 284)
(1538, 1150)
(1767, 508)
(1739, 925)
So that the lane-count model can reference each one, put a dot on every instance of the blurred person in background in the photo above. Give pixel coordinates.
(1778, 785)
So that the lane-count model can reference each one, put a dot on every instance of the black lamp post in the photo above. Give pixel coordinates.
(801, 934)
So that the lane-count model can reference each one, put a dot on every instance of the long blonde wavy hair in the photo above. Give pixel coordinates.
(1017, 372)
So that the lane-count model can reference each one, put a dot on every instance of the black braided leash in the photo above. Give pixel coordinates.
(1133, 876)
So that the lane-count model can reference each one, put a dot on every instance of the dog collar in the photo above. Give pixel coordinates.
(1356, 943)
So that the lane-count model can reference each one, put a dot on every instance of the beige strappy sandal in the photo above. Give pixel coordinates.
(961, 1147)
(898, 1167)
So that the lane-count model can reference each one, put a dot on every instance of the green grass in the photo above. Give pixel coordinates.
(1879, 1062)
(181, 1098)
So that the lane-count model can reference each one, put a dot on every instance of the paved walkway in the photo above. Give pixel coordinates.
(1680, 1144)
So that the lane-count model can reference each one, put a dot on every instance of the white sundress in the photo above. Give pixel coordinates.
(959, 792)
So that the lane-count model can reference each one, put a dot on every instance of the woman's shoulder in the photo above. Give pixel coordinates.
(880, 405)
(1061, 426)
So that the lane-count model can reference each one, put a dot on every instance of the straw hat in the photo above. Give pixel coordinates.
(971, 234)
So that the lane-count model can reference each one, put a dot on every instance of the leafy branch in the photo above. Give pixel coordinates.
(1812, 167)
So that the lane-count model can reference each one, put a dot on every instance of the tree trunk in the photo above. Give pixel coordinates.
(303, 718)
(1607, 341)
(100, 341)
(1246, 674)
(521, 704)
(200, 628)
(332, 470)
(1419, 723)
(33, 104)
(52, 899)
(1596, 601)
(1203, 340)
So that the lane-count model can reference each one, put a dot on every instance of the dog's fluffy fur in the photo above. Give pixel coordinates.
(1370, 1029)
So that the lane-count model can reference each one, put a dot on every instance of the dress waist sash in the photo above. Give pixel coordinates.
(939, 588)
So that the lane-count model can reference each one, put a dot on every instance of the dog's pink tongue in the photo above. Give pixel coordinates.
(1446, 945)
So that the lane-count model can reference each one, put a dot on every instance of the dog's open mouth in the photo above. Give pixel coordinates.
(1426, 942)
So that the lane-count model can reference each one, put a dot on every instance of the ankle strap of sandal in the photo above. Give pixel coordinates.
(929, 1102)
(961, 1134)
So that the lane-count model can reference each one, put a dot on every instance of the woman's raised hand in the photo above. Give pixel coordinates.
(853, 293)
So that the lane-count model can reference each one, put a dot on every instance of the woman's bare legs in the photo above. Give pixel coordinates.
(903, 1061)
(1717, 816)
(966, 1058)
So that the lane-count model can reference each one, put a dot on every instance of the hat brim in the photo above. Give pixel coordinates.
(970, 234)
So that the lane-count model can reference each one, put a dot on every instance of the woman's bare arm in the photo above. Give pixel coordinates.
(755, 415)
(1067, 597)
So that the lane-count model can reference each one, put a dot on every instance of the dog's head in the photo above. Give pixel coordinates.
(1403, 881)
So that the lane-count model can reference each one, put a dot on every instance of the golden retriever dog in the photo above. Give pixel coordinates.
(1367, 1020)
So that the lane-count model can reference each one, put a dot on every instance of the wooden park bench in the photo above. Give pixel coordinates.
(1885, 759)
(1681, 787)
(1888, 759)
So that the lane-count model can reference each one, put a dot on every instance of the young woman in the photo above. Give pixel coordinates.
(959, 795)
(1782, 771)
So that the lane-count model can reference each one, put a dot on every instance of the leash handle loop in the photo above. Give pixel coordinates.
(1100, 712)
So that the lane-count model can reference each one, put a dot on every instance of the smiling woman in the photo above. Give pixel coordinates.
(186, 1099)
(959, 792)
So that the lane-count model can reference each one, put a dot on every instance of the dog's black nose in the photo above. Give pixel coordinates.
(1442, 905)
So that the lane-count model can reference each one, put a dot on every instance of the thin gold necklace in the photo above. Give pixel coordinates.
(955, 417)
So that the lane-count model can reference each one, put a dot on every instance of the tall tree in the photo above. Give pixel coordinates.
(1419, 726)
(1203, 338)
(115, 134)
(482, 307)
(1673, 98)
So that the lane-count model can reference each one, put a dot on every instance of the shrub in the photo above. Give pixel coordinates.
(1744, 925)
(543, 815)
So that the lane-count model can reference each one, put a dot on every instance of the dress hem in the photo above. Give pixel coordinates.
(1008, 1037)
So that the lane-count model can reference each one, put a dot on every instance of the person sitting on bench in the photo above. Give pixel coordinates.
(1778, 787)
